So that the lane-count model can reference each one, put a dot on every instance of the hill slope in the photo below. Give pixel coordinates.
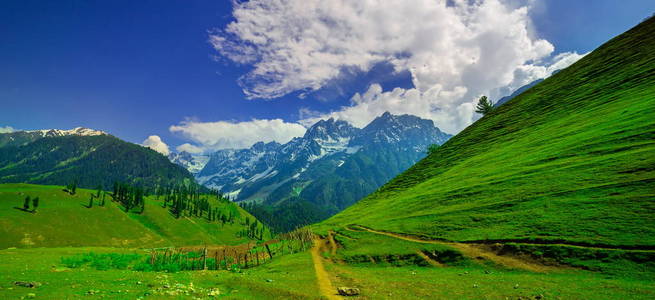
(64, 220)
(570, 160)
(92, 160)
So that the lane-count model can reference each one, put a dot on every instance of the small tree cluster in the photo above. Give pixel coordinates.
(187, 200)
(71, 188)
(28, 200)
(129, 196)
(254, 229)
(100, 195)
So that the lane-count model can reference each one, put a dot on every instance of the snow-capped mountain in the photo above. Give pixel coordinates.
(229, 169)
(19, 138)
(191, 162)
(406, 132)
(89, 157)
(273, 172)
(81, 131)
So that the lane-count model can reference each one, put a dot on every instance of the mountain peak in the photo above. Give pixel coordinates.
(80, 131)
(404, 120)
(329, 129)
(263, 147)
(401, 129)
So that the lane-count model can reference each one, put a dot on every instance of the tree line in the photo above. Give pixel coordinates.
(181, 200)
(287, 216)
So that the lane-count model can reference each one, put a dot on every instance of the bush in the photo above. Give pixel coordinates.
(101, 262)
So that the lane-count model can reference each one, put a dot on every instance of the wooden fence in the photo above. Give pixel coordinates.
(228, 257)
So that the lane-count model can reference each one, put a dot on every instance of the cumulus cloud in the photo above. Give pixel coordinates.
(186, 147)
(454, 50)
(154, 142)
(527, 73)
(235, 135)
(7, 129)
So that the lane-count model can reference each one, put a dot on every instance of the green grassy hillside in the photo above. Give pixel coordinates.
(570, 160)
(64, 220)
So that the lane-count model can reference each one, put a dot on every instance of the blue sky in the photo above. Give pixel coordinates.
(135, 68)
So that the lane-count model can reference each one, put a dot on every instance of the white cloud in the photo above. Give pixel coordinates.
(154, 142)
(186, 147)
(225, 135)
(7, 129)
(528, 73)
(454, 50)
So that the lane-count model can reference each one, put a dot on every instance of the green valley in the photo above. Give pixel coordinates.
(549, 194)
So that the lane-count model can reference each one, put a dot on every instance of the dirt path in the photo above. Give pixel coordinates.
(470, 250)
(332, 243)
(324, 284)
(429, 260)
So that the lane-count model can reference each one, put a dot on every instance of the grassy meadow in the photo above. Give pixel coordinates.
(63, 220)
(396, 273)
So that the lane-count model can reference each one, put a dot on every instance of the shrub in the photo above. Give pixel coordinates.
(102, 262)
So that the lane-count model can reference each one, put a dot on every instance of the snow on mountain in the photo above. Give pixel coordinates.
(228, 169)
(24, 137)
(406, 132)
(81, 131)
(191, 162)
(265, 169)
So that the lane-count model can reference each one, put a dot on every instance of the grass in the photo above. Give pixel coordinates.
(469, 278)
(101, 262)
(63, 220)
(477, 282)
(359, 247)
(270, 281)
(570, 160)
(292, 277)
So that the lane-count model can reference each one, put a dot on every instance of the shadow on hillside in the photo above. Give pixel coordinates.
(25, 210)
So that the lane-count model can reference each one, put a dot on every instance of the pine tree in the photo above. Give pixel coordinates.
(90, 201)
(35, 203)
(484, 106)
(26, 204)
(115, 194)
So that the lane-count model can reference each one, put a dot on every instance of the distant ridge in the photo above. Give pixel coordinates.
(81, 131)
(90, 157)
(23, 137)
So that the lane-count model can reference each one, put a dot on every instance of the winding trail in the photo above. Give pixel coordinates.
(470, 250)
(332, 243)
(431, 261)
(322, 277)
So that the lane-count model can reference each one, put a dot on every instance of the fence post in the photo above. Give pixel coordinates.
(225, 258)
(204, 259)
(245, 256)
(269, 251)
